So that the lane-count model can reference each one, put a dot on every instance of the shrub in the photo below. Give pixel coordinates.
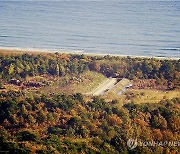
(27, 136)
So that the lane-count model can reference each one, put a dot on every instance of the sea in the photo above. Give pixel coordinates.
(121, 27)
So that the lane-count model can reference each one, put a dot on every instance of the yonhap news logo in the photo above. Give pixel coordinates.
(133, 143)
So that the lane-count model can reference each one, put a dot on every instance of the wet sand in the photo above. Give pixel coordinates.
(13, 51)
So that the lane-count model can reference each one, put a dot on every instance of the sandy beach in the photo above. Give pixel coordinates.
(9, 50)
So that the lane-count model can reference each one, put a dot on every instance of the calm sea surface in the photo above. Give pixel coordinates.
(141, 28)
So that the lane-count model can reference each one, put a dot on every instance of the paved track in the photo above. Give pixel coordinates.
(109, 83)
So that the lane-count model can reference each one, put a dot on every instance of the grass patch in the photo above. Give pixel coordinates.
(141, 96)
(83, 83)
(151, 96)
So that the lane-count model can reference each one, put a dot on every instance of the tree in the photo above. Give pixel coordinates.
(42, 116)
(57, 70)
(24, 111)
(79, 97)
(11, 69)
(158, 121)
(55, 130)
(27, 67)
(1, 85)
(27, 136)
(174, 123)
(62, 70)
(118, 143)
(94, 66)
(31, 119)
(74, 122)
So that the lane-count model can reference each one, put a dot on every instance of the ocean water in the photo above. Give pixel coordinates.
(125, 27)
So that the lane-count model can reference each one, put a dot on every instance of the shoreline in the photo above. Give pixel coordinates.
(77, 52)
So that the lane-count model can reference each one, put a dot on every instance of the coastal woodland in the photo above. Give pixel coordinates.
(44, 106)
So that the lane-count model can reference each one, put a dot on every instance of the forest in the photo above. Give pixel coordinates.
(166, 72)
(37, 122)
(68, 124)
